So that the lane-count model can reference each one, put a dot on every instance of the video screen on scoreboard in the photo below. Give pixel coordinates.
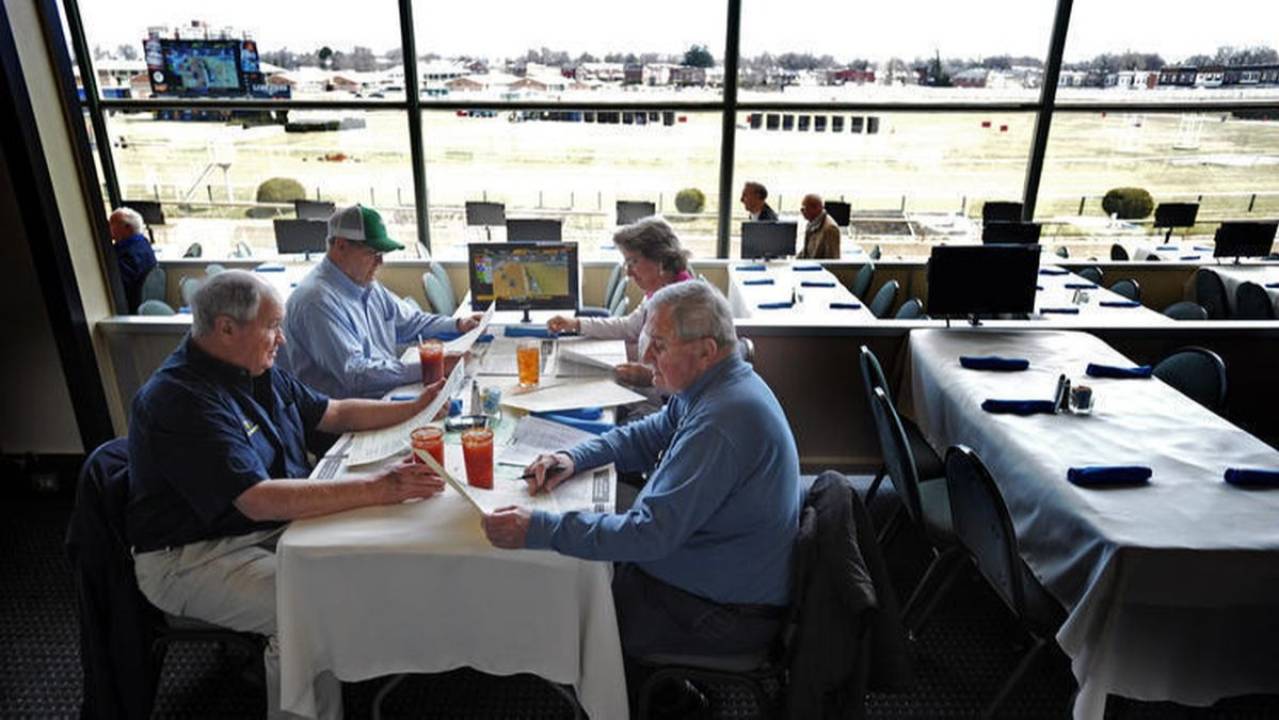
(516, 275)
(195, 67)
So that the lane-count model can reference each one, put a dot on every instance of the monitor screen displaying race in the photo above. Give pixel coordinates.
(540, 276)
(203, 67)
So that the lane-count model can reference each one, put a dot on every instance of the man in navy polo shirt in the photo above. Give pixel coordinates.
(133, 253)
(217, 465)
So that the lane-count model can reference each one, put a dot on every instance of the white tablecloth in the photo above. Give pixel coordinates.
(416, 587)
(1199, 251)
(1056, 294)
(812, 304)
(284, 280)
(1171, 588)
(1232, 276)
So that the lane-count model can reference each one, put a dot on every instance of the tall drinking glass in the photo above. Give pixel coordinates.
(477, 452)
(528, 357)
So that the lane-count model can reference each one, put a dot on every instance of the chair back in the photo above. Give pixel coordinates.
(1197, 373)
(442, 275)
(861, 283)
(746, 348)
(155, 307)
(1127, 288)
(188, 287)
(912, 309)
(884, 299)
(1252, 303)
(984, 526)
(872, 374)
(875, 253)
(154, 285)
(1062, 251)
(441, 299)
(1210, 292)
(1092, 274)
(194, 250)
(213, 269)
(1117, 252)
(614, 277)
(617, 290)
(1186, 310)
(899, 461)
(620, 303)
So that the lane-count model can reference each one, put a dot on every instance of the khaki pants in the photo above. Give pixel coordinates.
(230, 582)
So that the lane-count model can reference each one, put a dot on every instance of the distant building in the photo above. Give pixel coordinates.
(684, 76)
(971, 78)
(847, 76)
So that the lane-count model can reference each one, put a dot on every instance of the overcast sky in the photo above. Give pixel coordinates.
(847, 29)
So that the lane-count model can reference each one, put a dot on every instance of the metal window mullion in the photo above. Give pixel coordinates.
(1047, 100)
(408, 48)
(89, 80)
(728, 128)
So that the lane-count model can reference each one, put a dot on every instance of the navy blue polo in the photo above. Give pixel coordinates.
(136, 260)
(204, 431)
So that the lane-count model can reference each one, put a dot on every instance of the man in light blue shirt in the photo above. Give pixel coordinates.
(345, 330)
(705, 551)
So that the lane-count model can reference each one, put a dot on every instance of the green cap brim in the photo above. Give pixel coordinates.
(375, 232)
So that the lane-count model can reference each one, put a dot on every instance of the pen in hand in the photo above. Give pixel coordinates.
(549, 471)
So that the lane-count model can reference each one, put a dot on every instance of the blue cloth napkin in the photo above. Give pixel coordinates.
(591, 426)
(1081, 286)
(1039, 287)
(269, 267)
(1120, 303)
(1053, 271)
(533, 332)
(586, 413)
(1167, 247)
(776, 305)
(1252, 477)
(1118, 373)
(816, 283)
(759, 281)
(448, 335)
(807, 268)
(993, 362)
(184, 310)
(1189, 257)
(1108, 475)
(845, 306)
(1019, 407)
(1202, 248)
(1272, 285)
(751, 268)
(1059, 311)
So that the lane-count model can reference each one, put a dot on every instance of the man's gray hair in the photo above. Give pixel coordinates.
(654, 238)
(131, 217)
(236, 294)
(699, 310)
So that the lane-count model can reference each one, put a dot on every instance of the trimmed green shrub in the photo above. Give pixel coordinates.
(1128, 203)
(690, 200)
(276, 190)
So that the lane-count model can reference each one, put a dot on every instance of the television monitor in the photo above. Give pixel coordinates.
(300, 236)
(966, 280)
(1000, 211)
(628, 211)
(313, 210)
(538, 276)
(150, 210)
(485, 213)
(1245, 239)
(768, 239)
(840, 212)
(196, 67)
(534, 230)
(1003, 233)
(1171, 215)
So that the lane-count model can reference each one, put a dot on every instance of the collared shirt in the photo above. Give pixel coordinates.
(135, 258)
(719, 514)
(765, 214)
(202, 432)
(343, 338)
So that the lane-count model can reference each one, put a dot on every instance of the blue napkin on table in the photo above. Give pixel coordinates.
(591, 426)
(751, 268)
(1252, 477)
(817, 283)
(585, 413)
(532, 332)
(1081, 286)
(1109, 475)
(1019, 407)
(184, 310)
(781, 305)
(1120, 303)
(1189, 257)
(993, 362)
(269, 267)
(807, 268)
(758, 281)
(1039, 287)
(1272, 285)
(1059, 311)
(1167, 247)
(845, 306)
(1118, 373)
(1202, 248)
(1053, 271)
(448, 335)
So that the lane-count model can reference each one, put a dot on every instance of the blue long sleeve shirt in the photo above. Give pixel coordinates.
(344, 339)
(719, 514)
(135, 258)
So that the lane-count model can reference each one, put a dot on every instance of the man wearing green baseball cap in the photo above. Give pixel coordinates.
(343, 327)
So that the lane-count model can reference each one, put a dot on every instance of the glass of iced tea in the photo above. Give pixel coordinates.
(427, 440)
(431, 353)
(477, 452)
(528, 357)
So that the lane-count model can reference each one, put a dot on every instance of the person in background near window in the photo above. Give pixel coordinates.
(218, 442)
(345, 329)
(821, 237)
(654, 259)
(753, 196)
(133, 253)
(704, 554)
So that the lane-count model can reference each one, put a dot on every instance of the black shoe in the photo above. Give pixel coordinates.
(680, 700)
